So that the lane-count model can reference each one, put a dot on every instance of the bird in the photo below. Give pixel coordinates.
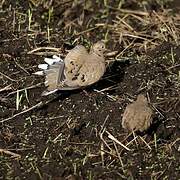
(79, 68)
(137, 115)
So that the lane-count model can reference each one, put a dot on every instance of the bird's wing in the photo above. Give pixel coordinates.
(54, 75)
(83, 69)
(56, 80)
(74, 61)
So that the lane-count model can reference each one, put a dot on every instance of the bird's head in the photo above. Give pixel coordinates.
(142, 99)
(99, 48)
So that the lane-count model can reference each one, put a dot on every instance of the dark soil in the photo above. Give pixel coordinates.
(61, 138)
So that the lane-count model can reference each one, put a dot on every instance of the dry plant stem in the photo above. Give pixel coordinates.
(141, 13)
(142, 139)
(102, 153)
(135, 137)
(164, 171)
(22, 112)
(85, 31)
(44, 48)
(158, 111)
(1, 4)
(81, 143)
(10, 153)
(46, 53)
(118, 142)
(101, 137)
(109, 96)
(8, 87)
(169, 29)
(121, 53)
(125, 23)
(178, 139)
(131, 140)
(23, 149)
(138, 37)
(57, 137)
(139, 18)
(172, 67)
(21, 67)
(111, 154)
(120, 159)
(102, 128)
(30, 87)
(45, 153)
(8, 77)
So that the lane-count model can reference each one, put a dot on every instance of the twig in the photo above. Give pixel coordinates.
(8, 87)
(158, 111)
(109, 96)
(30, 87)
(22, 112)
(8, 77)
(85, 31)
(120, 160)
(118, 142)
(102, 153)
(56, 138)
(44, 48)
(101, 136)
(10, 153)
(160, 176)
(142, 139)
(131, 140)
(135, 137)
(102, 127)
(110, 153)
(1, 4)
(172, 67)
(21, 67)
(141, 13)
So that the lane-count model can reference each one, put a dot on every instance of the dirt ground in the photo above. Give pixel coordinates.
(65, 135)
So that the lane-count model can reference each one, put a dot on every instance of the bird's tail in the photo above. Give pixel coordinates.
(53, 70)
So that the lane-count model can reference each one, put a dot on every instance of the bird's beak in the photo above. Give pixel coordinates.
(107, 50)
